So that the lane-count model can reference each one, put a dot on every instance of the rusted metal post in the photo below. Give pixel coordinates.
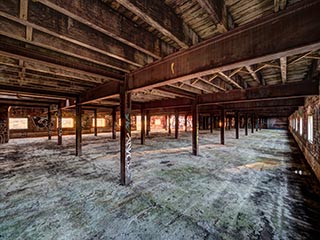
(125, 136)
(176, 132)
(195, 128)
(59, 128)
(222, 126)
(78, 129)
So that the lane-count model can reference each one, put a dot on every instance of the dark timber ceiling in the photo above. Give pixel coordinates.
(56, 49)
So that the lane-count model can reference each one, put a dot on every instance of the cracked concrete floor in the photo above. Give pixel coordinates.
(258, 187)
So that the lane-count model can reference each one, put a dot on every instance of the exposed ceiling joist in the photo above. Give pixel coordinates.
(253, 74)
(109, 22)
(217, 12)
(229, 80)
(162, 18)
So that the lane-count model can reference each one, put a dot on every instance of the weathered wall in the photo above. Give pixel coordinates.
(277, 123)
(4, 124)
(38, 122)
(310, 150)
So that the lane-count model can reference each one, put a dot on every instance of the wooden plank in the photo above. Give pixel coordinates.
(110, 23)
(31, 55)
(217, 12)
(283, 67)
(288, 37)
(125, 136)
(229, 80)
(195, 128)
(253, 74)
(162, 18)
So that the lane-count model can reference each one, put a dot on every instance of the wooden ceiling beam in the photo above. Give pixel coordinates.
(241, 44)
(178, 92)
(110, 23)
(217, 12)
(65, 45)
(253, 74)
(37, 92)
(229, 80)
(284, 91)
(162, 18)
(212, 84)
(30, 55)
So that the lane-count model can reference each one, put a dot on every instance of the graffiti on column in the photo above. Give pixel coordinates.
(128, 147)
(3, 132)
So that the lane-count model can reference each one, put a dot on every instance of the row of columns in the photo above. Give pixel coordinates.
(125, 130)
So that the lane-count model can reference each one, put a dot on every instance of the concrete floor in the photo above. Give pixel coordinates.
(258, 187)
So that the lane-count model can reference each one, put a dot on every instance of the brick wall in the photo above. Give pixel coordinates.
(310, 150)
(4, 124)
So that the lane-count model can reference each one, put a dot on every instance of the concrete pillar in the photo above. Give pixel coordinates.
(4, 124)
(125, 136)
(78, 129)
(195, 128)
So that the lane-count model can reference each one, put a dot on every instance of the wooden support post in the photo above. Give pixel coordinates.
(114, 123)
(230, 123)
(148, 123)
(246, 124)
(125, 136)
(78, 129)
(237, 124)
(222, 126)
(95, 123)
(59, 128)
(211, 123)
(143, 126)
(49, 124)
(252, 123)
(169, 124)
(176, 129)
(195, 128)
(256, 123)
(186, 123)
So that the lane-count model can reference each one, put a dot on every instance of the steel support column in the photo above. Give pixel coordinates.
(78, 129)
(125, 136)
(195, 128)
(222, 126)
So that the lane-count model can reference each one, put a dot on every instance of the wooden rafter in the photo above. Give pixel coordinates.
(229, 80)
(159, 14)
(253, 74)
(283, 66)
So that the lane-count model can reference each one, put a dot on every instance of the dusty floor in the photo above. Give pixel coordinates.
(257, 187)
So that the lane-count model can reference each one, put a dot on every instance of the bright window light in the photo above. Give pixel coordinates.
(18, 123)
(310, 129)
